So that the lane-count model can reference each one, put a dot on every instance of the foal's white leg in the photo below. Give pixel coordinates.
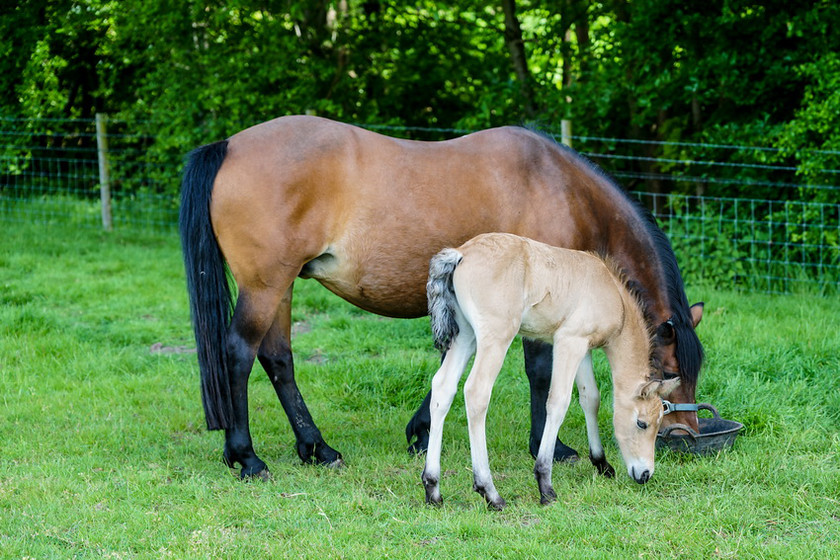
(567, 357)
(489, 358)
(590, 402)
(444, 387)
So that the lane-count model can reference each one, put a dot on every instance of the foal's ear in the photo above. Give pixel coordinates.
(696, 313)
(658, 387)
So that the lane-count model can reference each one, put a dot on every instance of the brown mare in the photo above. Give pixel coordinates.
(497, 285)
(363, 213)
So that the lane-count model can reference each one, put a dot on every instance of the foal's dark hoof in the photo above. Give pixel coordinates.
(497, 505)
(603, 467)
(548, 497)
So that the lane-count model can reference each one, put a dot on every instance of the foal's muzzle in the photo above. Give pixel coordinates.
(640, 477)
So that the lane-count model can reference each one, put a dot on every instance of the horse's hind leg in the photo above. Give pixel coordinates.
(538, 362)
(590, 401)
(244, 334)
(275, 355)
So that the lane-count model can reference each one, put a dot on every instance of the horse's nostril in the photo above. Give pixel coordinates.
(644, 477)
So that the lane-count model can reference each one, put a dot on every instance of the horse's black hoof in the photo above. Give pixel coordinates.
(562, 452)
(416, 448)
(261, 476)
(421, 443)
(253, 468)
(565, 454)
(607, 471)
(320, 454)
(337, 464)
(329, 457)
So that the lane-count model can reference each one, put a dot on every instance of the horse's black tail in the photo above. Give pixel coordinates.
(207, 281)
(441, 295)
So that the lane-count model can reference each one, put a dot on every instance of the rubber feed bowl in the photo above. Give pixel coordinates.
(716, 434)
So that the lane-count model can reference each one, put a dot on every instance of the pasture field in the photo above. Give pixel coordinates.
(103, 451)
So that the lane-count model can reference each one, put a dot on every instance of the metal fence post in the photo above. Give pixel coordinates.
(566, 132)
(104, 174)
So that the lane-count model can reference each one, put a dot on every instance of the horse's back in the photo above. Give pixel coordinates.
(363, 213)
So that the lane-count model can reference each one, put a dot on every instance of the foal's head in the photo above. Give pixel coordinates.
(636, 419)
(638, 388)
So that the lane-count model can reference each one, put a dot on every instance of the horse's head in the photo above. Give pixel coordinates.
(636, 420)
(680, 355)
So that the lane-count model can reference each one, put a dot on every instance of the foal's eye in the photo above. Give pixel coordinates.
(641, 425)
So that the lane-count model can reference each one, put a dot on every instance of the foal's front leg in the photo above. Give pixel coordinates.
(568, 354)
(538, 361)
(590, 402)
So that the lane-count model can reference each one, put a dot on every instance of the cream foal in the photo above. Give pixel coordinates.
(496, 286)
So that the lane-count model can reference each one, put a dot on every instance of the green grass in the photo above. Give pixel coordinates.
(103, 451)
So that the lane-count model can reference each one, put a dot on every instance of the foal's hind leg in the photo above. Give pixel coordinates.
(275, 355)
(489, 358)
(538, 361)
(590, 401)
(444, 387)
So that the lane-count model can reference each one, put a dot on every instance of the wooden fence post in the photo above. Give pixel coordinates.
(104, 174)
(566, 132)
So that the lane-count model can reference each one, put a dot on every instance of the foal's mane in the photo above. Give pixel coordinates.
(636, 298)
(689, 351)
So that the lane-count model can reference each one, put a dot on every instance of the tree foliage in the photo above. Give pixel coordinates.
(739, 72)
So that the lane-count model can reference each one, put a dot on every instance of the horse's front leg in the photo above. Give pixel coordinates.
(538, 364)
(275, 355)
(417, 429)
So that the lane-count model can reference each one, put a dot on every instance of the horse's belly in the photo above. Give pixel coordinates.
(381, 287)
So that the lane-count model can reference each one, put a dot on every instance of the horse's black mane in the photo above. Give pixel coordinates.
(689, 351)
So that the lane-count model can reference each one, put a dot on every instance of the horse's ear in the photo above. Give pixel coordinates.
(658, 387)
(697, 313)
(665, 333)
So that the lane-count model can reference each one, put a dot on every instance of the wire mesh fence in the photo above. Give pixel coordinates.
(733, 221)
(50, 172)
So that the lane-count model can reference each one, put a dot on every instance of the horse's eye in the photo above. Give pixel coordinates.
(641, 425)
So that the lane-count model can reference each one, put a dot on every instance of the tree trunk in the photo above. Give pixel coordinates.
(516, 46)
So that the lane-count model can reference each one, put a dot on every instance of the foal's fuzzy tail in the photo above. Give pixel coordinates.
(441, 295)
(207, 281)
